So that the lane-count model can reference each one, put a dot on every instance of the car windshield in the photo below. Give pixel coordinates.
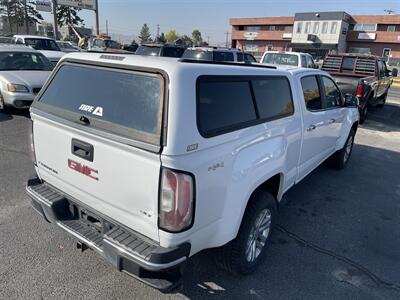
(65, 45)
(198, 54)
(112, 44)
(147, 50)
(42, 44)
(12, 61)
(281, 59)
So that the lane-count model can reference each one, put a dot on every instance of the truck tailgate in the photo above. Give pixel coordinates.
(122, 182)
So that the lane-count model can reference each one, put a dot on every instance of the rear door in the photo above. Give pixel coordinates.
(97, 138)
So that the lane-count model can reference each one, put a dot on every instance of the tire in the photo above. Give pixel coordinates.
(364, 113)
(242, 256)
(342, 156)
(2, 105)
(380, 105)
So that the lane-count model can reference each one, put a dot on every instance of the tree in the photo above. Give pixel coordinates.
(144, 35)
(171, 36)
(27, 12)
(68, 16)
(8, 8)
(187, 40)
(196, 37)
(162, 39)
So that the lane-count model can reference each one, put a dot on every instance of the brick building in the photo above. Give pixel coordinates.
(318, 33)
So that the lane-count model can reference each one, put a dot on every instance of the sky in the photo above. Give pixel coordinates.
(211, 17)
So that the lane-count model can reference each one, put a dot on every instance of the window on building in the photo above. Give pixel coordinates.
(251, 48)
(308, 27)
(391, 28)
(359, 50)
(288, 29)
(316, 28)
(324, 27)
(252, 28)
(299, 27)
(364, 27)
(348, 63)
(334, 27)
(272, 28)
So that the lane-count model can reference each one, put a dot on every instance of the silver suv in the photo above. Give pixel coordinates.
(218, 54)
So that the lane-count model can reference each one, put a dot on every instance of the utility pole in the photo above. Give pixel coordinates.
(97, 18)
(208, 40)
(158, 32)
(107, 27)
(227, 36)
(55, 19)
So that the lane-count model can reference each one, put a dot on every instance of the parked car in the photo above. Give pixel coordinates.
(167, 50)
(23, 72)
(218, 54)
(67, 46)
(362, 75)
(106, 44)
(285, 59)
(199, 158)
(130, 47)
(6, 40)
(47, 46)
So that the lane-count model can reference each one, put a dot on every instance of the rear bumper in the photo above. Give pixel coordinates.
(128, 251)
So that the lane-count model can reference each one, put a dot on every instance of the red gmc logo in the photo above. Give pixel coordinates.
(85, 170)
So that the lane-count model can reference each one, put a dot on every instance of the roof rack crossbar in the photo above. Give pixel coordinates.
(226, 63)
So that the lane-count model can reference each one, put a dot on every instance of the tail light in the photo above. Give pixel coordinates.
(32, 154)
(176, 206)
(360, 90)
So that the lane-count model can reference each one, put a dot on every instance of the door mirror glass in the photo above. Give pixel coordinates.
(395, 72)
(351, 101)
(18, 42)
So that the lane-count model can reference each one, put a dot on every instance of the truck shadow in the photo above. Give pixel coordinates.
(4, 116)
(9, 114)
(350, 213)
(386, 119)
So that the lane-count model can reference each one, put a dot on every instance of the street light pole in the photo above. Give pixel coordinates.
(55, 19)
(97, 18)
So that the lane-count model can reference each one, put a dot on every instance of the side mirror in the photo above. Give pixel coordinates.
(351, 101)
(395, 72)
(18, 42)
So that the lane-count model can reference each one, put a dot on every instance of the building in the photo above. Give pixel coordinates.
(318, 33)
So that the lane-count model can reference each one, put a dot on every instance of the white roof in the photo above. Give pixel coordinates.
(32, 37)
(173, 65)
(16, 48)
(286, 52)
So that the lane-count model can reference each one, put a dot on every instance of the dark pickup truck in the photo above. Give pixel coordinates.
(364, 76)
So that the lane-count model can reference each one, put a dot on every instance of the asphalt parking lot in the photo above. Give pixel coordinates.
(338, 234)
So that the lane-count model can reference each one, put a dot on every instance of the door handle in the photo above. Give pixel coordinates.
(82, 149)
(311, 127)
(331, 121)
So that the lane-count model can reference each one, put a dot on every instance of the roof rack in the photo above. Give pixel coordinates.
(226, 63)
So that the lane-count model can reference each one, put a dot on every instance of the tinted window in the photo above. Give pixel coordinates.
(303, 61)
(145, 50)
(310, 62)
(10, 61)
(273, 97)
(240, 56)
(128, 99)
(223, 56)
(173, 51)
(333, 97)
(98, 43)
(348, 63)
(311, 93)
(224, 105)
(42, 44)
(249, 58)
(381, 69)
(197, 54)
(112, 44)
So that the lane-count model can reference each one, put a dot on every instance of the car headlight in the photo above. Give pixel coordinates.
(17, 88)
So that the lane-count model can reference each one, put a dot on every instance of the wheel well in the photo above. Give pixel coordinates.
(355, 126)
(271, 185)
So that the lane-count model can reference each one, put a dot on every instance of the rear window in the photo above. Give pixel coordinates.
(281, 59)
(198, 54)
(111, 99)
(348, 63)
(228, 103)
(173, 51)
(145, 50)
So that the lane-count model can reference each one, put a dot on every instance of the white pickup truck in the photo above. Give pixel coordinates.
(150, 160)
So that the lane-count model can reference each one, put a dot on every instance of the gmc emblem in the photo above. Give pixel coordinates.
(85, 170)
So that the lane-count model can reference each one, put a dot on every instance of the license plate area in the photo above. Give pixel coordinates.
(93, 220)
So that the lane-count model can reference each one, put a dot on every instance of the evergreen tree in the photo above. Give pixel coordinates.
(68, 16)
(145, 34)
(162, 39)
(196, 37)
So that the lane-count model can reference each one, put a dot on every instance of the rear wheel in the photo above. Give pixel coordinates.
(243, 254)
(383, 101)
(364, 113)
(342, 156)
(2, 105)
